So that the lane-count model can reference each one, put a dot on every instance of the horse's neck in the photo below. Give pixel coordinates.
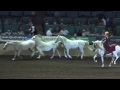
(101, 47)
(39, 42)
(64, 39)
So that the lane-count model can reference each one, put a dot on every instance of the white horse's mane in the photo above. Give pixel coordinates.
(64, 39)
(99, 43)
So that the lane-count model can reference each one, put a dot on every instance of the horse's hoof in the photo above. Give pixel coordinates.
(70, 57)
(51, 57)
(66, 57)
(38, 57)
(109, 65)
(102, 66)
(13, 59)
(95, 60)
(114, 63)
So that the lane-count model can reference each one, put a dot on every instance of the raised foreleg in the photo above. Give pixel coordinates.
(94, 58)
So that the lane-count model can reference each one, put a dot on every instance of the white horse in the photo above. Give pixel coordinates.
(21, 45)
(46, 46)
(72, 44)
(114, 49)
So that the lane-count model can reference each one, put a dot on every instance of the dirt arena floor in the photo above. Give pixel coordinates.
(45, 68)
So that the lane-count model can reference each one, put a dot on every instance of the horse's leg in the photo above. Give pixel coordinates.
(65, 53)
(116, 57)
(40, 52)
(53, 53)
(94, 58)
(102, 59)
(111, 61)
(15, 55)
(58, 53)
(33, 52)
(19, 51)
(82, 52)
(68, 53)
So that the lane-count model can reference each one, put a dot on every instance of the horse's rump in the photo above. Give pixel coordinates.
(111, 48)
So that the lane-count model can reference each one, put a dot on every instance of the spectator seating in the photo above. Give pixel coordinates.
(77, 28)
(72, 13)
(9, 27)
(118, 14)
(70, 28)
(25, 20)
(84, 13)
(1, 27)
(99, 28)
(50, 19)
(97, 13)
(111, 14)
(93, 20)
(117, 30)
(25, 27)
(16, 13)
(116, 21)
(66, 20)
(29, 13)
(4, 13)
(76, 20)
(62, 13)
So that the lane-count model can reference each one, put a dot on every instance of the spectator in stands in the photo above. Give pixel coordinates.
(57, 30)
(80, 23)
(20, 21)
(49, 32)
(15, 32)
(54, 22)
(88, 22)
(32, 29)
(21, 32)
(64, 32)
(61, 21)
(95, 31)
(87, 32)
(79, 33)
(46, 22)
(104, 21)
(84, 32)
(75, 32)
(8, 32)
(103, 32)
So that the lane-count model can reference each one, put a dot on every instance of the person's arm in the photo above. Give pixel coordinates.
(104, 40)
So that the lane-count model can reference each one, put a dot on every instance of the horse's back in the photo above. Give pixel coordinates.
(29, 43)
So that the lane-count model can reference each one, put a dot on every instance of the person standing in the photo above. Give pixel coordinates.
(33, 30)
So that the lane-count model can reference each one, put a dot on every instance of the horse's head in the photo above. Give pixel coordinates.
(97, 45)
(60, 38)
(57, 39)
(5, 45)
